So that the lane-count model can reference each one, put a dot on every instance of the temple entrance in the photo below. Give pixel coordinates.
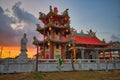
(68, 55)
(78, 55)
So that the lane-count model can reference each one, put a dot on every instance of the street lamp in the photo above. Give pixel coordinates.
(36, 42)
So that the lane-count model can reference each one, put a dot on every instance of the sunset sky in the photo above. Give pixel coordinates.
(21, 16)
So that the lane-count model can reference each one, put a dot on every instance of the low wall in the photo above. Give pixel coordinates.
(49, 65)
(80, 64)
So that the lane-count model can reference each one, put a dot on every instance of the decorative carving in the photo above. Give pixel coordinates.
(103, 40)
(50, 8)
(66, 12)
(81, 31)
(90, 32)
(55, 10)
(42, 15)
(38, 26)
(72, 30)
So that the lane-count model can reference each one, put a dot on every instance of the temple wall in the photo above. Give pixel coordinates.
(14, 66)
(49, 65)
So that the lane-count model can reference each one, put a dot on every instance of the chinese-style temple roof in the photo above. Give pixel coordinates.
(51, 26)
(113, 45)
(55, 18)
(40, 42)
(87, 39)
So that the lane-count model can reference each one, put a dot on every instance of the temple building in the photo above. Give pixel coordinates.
(62, 41)
(56, 33)
(112, 50)
(87, 45)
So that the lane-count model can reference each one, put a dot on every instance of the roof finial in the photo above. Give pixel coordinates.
(50, 8)
(55, 10)
(103, 40)
(66, 12)
(82, 31)
(90, 32)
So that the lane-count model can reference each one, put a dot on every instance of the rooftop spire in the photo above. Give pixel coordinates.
(50, 8)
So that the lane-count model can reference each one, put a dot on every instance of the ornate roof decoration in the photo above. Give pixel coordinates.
(90, 32)
(87, 39)
(115, 44)
(55, 18)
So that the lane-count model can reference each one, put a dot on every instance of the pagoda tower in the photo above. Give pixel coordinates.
(56, 34)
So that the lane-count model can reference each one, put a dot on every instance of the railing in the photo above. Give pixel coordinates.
(65, 61)
(77, 60)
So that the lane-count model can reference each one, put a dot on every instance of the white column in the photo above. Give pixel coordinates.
(82, 53)
(97, 57)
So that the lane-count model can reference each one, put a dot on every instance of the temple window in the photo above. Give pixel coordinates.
(41, 48)
(47, 46)
(57, 46)
(56, 23)
(56, 32)
(49, 32)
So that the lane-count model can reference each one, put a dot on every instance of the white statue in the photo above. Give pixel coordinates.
(23, 55)
(24, 43)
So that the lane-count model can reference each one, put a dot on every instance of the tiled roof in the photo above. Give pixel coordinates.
(90, 40)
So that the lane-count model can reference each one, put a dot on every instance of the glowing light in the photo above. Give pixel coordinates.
(51, 17)
(48, 43)
(65, 19)
(69, 45)
(66, 30)
(50, 28)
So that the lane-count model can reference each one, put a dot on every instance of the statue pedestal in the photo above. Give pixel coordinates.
(22, 57)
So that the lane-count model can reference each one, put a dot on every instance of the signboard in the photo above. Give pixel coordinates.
(57, 53)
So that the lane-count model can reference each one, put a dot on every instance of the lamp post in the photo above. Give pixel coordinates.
(36, 41)
(36, 69)
(37, 57)
(44, 43)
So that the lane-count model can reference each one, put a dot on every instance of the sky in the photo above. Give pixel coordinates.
(21, 16)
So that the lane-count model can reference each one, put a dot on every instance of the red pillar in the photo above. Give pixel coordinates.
(43, 53)
(51, 51)
(63, 52)
(44, 44)
(52, 34)
(103, 53)
(36, 69)
(119, 53)
(99, 54)
(52, 45)
(110, 55)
